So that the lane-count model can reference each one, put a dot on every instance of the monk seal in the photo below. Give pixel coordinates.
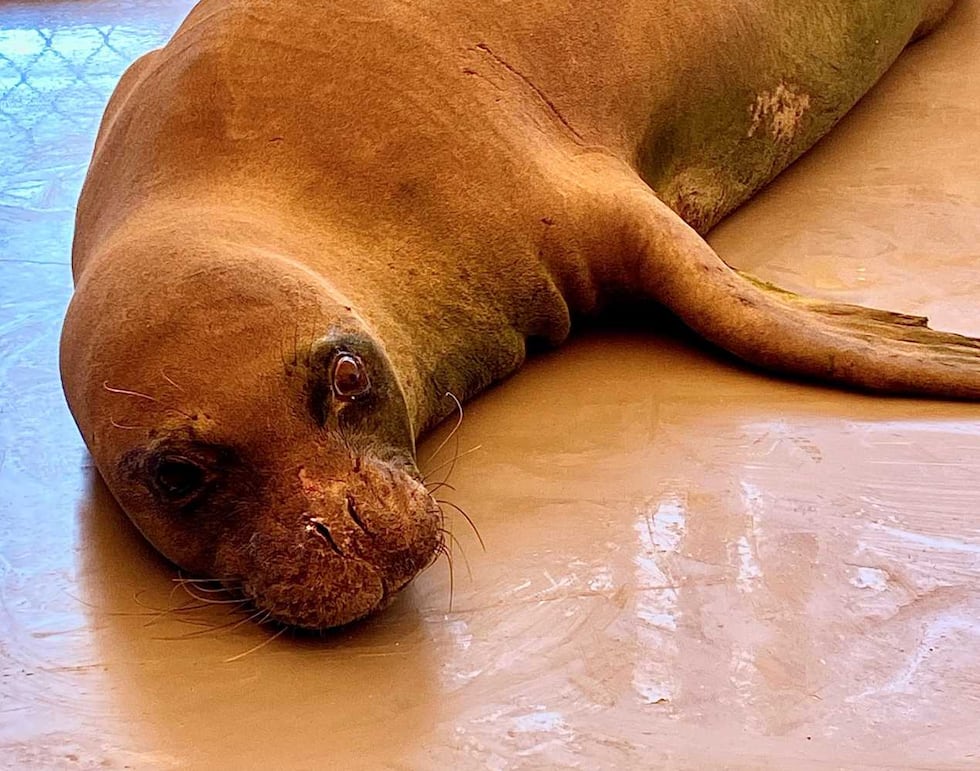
(306, 223)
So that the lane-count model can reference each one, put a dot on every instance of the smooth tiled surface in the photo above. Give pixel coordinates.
(687, 564)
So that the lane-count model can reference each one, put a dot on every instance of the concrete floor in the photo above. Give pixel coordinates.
(688, 564)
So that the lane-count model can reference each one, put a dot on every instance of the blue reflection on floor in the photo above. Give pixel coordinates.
(58, 65)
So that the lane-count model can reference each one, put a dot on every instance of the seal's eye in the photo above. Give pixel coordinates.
(349, 377)
(177, 477)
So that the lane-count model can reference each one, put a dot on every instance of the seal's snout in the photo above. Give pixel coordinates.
(343, 553)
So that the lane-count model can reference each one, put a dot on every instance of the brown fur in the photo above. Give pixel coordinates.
(432, 184)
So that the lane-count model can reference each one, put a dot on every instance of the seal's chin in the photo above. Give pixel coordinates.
(313, 588)
(344, 550)
(299, 600)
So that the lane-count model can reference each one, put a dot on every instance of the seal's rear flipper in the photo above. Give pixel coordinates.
(859, 347)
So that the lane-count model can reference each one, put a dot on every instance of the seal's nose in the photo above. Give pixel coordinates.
(374, 513)
(319, 526)
(397, 544)
(347, 535)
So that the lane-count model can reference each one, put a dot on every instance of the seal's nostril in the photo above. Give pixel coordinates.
(324, 532)
(355, 514)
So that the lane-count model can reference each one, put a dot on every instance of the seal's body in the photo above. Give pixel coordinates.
(306, 223)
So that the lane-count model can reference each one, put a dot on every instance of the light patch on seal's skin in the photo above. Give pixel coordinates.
(314, 490)
(318, 494)
(780, 110)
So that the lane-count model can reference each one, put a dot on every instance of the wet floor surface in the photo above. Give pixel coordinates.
(687, 564)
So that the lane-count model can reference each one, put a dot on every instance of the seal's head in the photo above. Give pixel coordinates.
(252, 426)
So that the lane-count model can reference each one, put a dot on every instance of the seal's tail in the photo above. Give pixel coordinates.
(860, 347)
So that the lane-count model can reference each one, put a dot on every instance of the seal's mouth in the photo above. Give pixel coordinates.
(345, 554)
(298, 604)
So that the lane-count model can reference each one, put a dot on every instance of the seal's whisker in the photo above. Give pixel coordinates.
(441, 550)
(202, 606)
(195, 603)
(114, 424)
(156, 614)
(258, 617)
(120, 613)
(198, 587)
(173, 592)
(231, 601)
(452, 573)
(203, 579)
(451, 463)
(452, 579)
(224, 584)
(227, 584)
(228, 626)
(208, 623)
(452, 466)
(189, 606)
(468, 519)
(459, 422)
(439, 485)
(147, 397)
(209, 600)
(462, 553)
(170, 380)
(258, 647)
(205, 590)
(205, 627)
(265, 618)
(157, 610)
